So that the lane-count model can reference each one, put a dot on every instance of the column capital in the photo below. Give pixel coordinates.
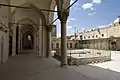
(63, 15)
(49, 28)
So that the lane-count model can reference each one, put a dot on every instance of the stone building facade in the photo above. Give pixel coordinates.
(107, 38)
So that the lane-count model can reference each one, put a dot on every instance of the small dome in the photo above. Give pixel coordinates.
(110, 24)
(117, 20)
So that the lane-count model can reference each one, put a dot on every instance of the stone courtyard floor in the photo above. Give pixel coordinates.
(32, 67)
(102, 71)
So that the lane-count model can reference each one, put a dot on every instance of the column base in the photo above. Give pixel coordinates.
(64, 66)
(13, 54)
(48, 56)
(38, 55)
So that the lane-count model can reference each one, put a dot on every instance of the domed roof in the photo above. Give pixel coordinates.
(117, 20)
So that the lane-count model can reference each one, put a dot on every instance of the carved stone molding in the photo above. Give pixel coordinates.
(49, 28)
(3, 29)
(63, 15)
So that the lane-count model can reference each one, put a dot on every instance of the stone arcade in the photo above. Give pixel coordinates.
(25, 25)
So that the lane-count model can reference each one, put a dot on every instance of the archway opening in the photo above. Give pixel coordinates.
(113, 45)
(10, 41)
(28, 42)
(10, 45)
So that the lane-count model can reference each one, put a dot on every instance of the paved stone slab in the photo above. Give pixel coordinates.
(31, 67)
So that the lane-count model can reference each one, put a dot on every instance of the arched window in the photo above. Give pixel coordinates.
(75, 45)
(52, 45)
(102, 35)
(84, 37)
(67, 45)
(81, 37)
(96, 36)
(57, 45)
(70, 45)
(29, 37)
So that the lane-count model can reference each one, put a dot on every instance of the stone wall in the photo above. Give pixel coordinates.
(3, 47)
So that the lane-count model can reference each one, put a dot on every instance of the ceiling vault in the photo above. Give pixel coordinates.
(26, 7)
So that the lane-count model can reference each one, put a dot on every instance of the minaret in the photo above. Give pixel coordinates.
(75, 33)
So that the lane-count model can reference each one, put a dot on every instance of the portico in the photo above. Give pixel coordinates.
(30, 26)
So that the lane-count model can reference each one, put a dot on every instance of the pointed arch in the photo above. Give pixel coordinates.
(32, 24)
(51, 14)
(32, 6)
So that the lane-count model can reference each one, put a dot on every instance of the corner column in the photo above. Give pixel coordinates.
(63, 44)
(49, 42)
(63, 19)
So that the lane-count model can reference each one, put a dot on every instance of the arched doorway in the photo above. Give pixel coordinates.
(75, 45)
(113, 45)
(10, 41)
(10, 45)
(28, 42)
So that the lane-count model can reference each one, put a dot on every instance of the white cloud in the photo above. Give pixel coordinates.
(69, 27)
(75, 25)
(91, 4)
(77, 8)
(90, 14)
(97, 1)
(71, 1)
(92, 8)
(72, 19)
(87, 6)
(77, 4)
(102, 26)
(82, 29)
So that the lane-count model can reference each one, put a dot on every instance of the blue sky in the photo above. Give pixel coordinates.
(87, 14)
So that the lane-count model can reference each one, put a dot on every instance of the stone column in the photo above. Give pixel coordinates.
(63, 44)
(14, 41)
(17, 39)
(63, 19)
(49, 42)
(21, 43)
(37, 43)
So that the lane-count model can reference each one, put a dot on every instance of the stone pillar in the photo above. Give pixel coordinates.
(37, 43)
(63, 19)
(49, 42)
(63, 44)
(17, 39)
(21, 43)
(14, 41)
